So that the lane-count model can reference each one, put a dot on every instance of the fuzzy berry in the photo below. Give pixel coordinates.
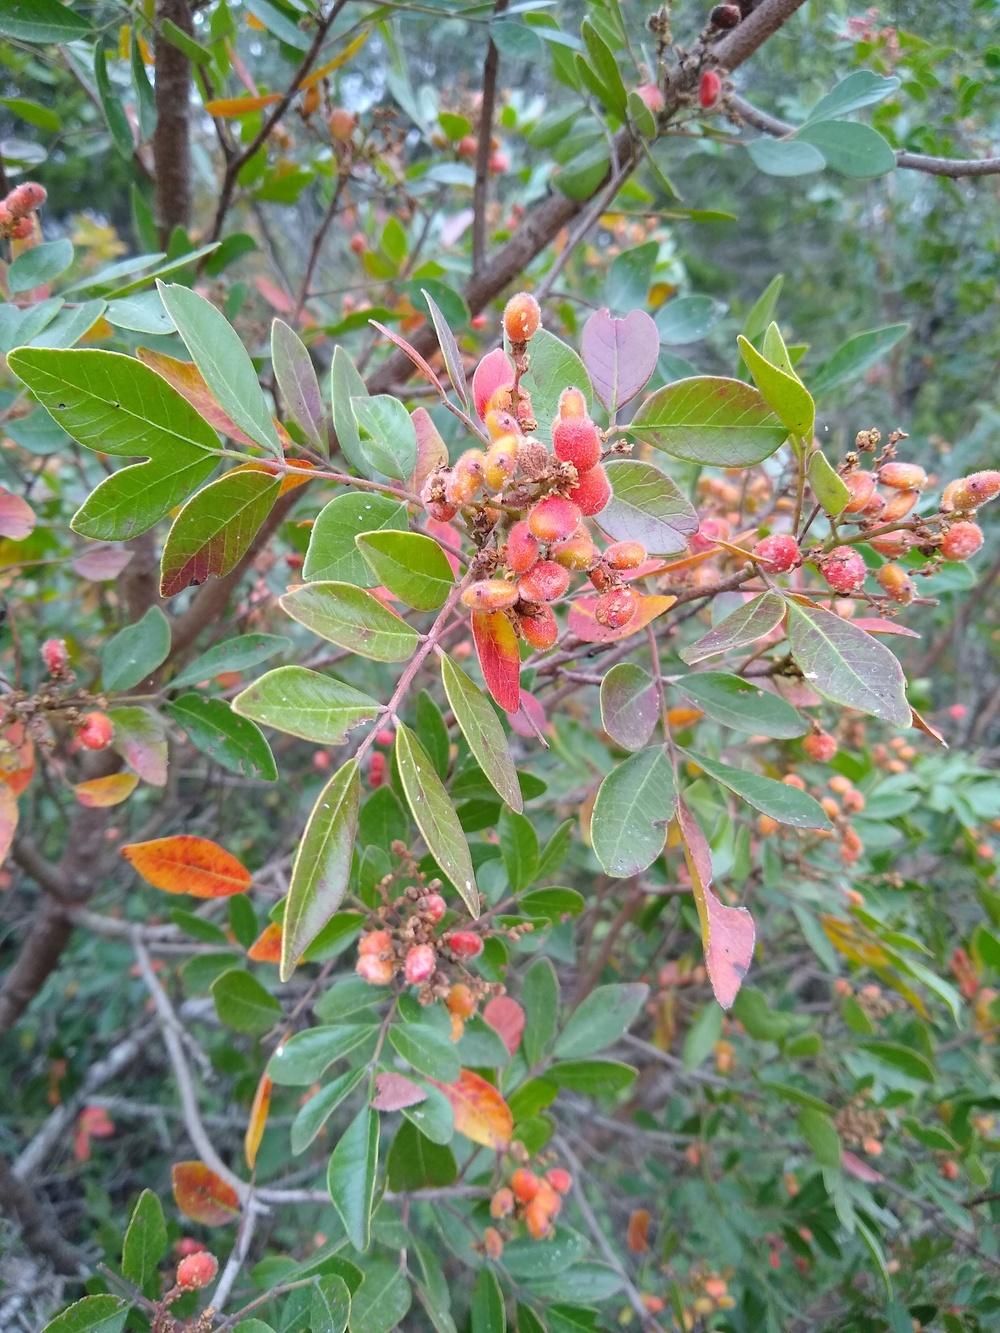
(489, 595)
(898, 505)
(896, 584)
(892, 544)
(95, 731)
(434, 907)
(539, 627)
(502, 1202)
(25, 198)
(560, 1180)
(652, 96)
(524, 1184)
(554, 519)
(358, 243)
(844, 569)
(376, 769)
(625, 555)
(592, 492)
(709, 88)
(522, 548)
(577, 553)
(461, 1002)
(778, 553)
(196, 1271)
(419, 965)
(55, 656)
(522, 317)
(544, 582)
(961, 541)
(821, 746)
(710, 530)
(385, 736)
(501, 462)
(616, 607)
(576, 440)
(464, 943)
(860, 487)
(572, 403)
(972, 491)
(375, 944)
(902, 476)
(22, 229)
(376, 971)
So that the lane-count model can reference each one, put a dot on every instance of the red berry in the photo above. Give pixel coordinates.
(24, 199)
(197, 1270)
(22, 229)
(544, 582)
(95, 731)
(376, 971)
(709, 88)
(376, 769)
(434, 907)
(821, 746)
(55, 656)
(375, 944)
(709, 531)
(778, 553)
(522, 548)
(385, 736)
(464, 944)
(554, 519)
(576, 440)
(898, 505)
(560, 1180)
(420, 964)
(844, 569)
(961, 541)
(522, 316)
(625, 555)
(539, 627)
(616, 607)
(592, 492)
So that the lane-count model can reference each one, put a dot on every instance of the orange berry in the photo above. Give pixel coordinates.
(576, 440)
(572, 404)
(592, 492)
(376, 971)
(793, 780)
(502, 1203)
(461, 1001)
(902, 476)
(341, 123)
(766, 826)
(378, 943)
(616, 607)
(899, 505)
(554, 519)
(539, 627)
(492, 1243)
(545, 581)
(851, 846)
(625, 555)
(489, 595)
(524, 1184)
(522, 317)
(501, 462)
(975, 490)
(831, 808)
(197, 1270)
(820, 745)
(538, 1220)
(840, 784)
(896, 584)
(577, 553)
(892, 544)
(961, 541)
(861, 487)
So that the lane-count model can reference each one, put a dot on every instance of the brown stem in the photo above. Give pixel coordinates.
(480, 197)
(21, 1203)
(171, 140)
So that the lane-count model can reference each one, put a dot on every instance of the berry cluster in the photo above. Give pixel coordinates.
(528, 1199)
(839, 803)
(17, 210)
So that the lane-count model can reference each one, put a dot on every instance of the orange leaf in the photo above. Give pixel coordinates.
(258, 1119)
(584, 624)
(638, 1231)
(202, 1195)
(99, 793)
(8, 819)
(266, 948)
(506, 1017)
(481, 1114)
(188, 864)
(352, 48)
(227, 107)
(290, 481)
(17, 757)
(187, 379)
(499, 659)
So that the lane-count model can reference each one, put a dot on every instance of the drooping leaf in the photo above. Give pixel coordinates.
(330, 1306)
(43, 21)
(488, 1312)
(135, 652)
(298, 384)
(629, 705)
(213, 532)
(351, 1176)
(204, 1196)
(481, 1113)
(499, 657)
(305, 703)
(646, 506)
(745, 625)
(584, 624)
(141, 740)
(322, 865)
(332, 553)
(634, 805)
(346, 385)
(847, 665)
(783, 392)
(720, 422)
(101, 793)
(410, 565)
(603, 1017)
(740, 704)
(351, 618)
(186, 863)
(482, 730)
(435, 816)
(788, 805)
(620, 354)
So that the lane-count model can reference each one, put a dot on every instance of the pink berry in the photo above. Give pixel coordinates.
(464, 943)
(375, 943)
(778, 553)
(385, 736)
(844, 569)
(420, 964)
(709, 88)
(539, 627)
(592, 492)
(616, 607)
(376, 971)
(560, 1180)
(376, 769)
(961, 541)
(544, 582)
(197, 1270)
(434, 907)
(95, 731)
(821, 746)
(554, 519)
(55, 656)
(576, 440)
(652, 96)
(522, 548)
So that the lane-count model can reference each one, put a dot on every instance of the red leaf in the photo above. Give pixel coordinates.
(189, 382)
(266, 948)
(506, 1017)
(411, 353)
(394, 1091)
(203, 1196)
(584, 624)
(276, 298)
(876, 625)
(481, 1114)
(17, 757)
(431, 450)
(227, 107)
(493, 372)
(17, 518)
(499, 659)
(855, 1166)
(188, 864)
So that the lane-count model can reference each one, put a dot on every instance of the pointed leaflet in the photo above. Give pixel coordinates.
(646, 506)
(322, 865)
(413, 356)
(145, 1241)
(712, 420)
(449, 349)
(499, 657)
(620, 354)
(332, 553)
(786, 804)
(245, 650)
(203, 1195)
(745, 625)
(135, 652)
(482, 730)
(413, 567)
(740, 704)
(213, 531)
(213, 727)
(351, 618)
(351, 1176)
(481, 1113)
(634, 805)
(346, 385)
(188, 864)
(297, 382)
(435, 816)
(847, 665)
(305, 703)
(727, 933)
(189, 382)
(784, 393)
(216, 350)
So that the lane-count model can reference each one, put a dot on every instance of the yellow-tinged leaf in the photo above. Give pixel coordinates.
(8, 820)
(258, 1119)
(351, 49)
(17, 757)
(584, 623)
(188, 864)
(266, 948)
(227, 107)
(481, 1114)
(187, 379)
(202, 1195)
(100, 793)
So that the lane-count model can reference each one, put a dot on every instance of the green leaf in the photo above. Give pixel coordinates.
(345, 386)
(415, 1162)
(224, 362)
(738, 703)
(761, 313)
(786, 804)
(433, 1117)
(629, 705)
(596, 1078)
(604, 1016)
(135, 652)
(141, 740)
(446, 339)
(701, 1036)
(305, 703)
(847, 665)
(647, 506)
(351, 1178)
(302, 1059)
(634, 805)
(330, 1306)
(856, 356)
(554, 366)
(236, 654)
(213, 727)
(746, 624)
(313, 1114)
(630, 277)
(519, 846)
(427, 1050)
(351, 618)
(435, 816)
(410, 565)
(904, 1058)
(332, 553)
(382, 1301)
(94, 1314)
(604, 64)
(213, 531)
(388, 439)
(721, 422)
(785, 157)
(42, 21)
(111, 105)
(540, 999)
(551, 904)
(856, 151)
(819, 1131)
(488, 1313)
(243, 1003)
(860, 89)
(145, 1241)
(483, 731)
(39, 265)
(826, 484)
(784, 393)
(322, 865)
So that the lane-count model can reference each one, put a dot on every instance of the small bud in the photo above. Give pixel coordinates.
(545, 581)
(196, 1271)
(576, 440)
(522, 548)
(489, 595)
(902, 476)
(539, 627)
(616, 607)
(778, 553)
(821, 746)
(95, 731)
(376, 971)
(358, 243)
(709, 88)
(434, 907)
(572, 403)
(522, 317)
(420, 964)
(502, 1203)
(896, 584)
(55, 656)
(861, 488)
(844, 569)
(592, 492)
(961, 541)
(461, 1002)
(554, 519)
(625, 555)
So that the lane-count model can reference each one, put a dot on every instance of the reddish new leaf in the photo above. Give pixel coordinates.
(188, 864)
(877, 625)
(257, 1121)
(858, 1168)
(17, 518)
(203, 1196)
(585, 625)
(431, 450)
(98, 563)
(620, 354)
(394, 1091)
(493, 372)
(481, 1114)
(530, 720)
(266, 948)
(506, 1017)
(499, 658)
(727, 933)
